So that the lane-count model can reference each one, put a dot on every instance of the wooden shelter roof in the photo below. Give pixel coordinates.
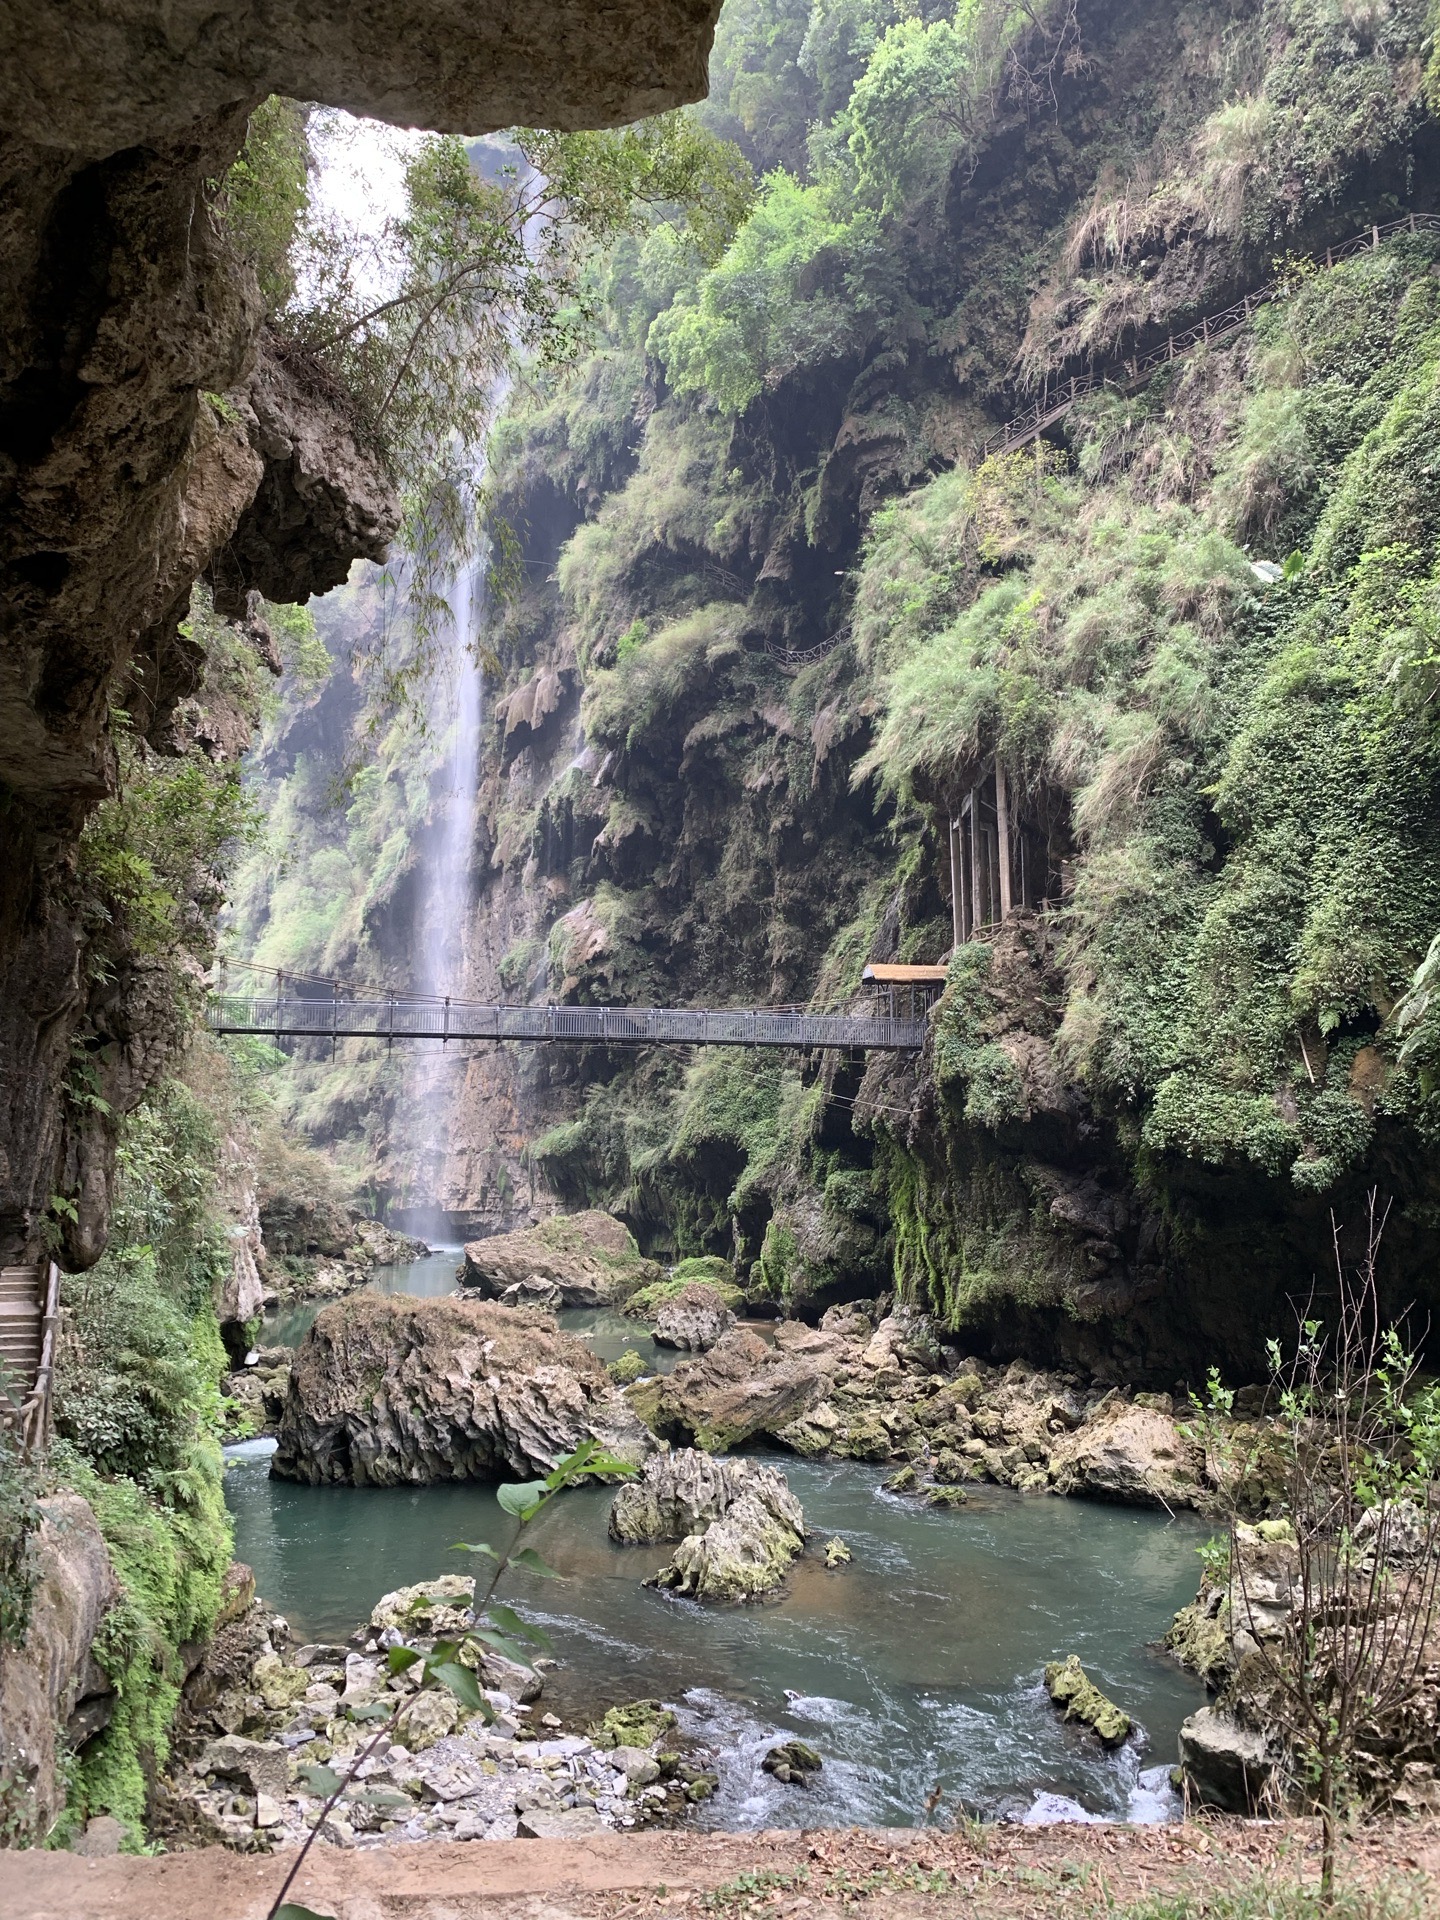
(882, 974)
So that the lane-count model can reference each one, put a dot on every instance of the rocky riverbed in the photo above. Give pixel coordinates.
(262, 1715)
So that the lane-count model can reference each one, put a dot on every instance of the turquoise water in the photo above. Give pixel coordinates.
(917, 1667)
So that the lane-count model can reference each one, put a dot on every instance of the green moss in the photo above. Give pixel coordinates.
(1070, 1687)
(647, 1302)
(170, 1558)
(640, 1723)
(628, 1368)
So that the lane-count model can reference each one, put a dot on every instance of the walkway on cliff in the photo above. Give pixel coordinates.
(298, 1017)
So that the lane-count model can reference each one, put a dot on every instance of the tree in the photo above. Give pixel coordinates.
(486, 277)
(1337, 1614)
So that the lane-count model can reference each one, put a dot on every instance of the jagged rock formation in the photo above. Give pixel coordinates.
(390, 1391)
(121, 305)
(737, 1522)
(681, 1491)
(588, 1259)
(694, 1319)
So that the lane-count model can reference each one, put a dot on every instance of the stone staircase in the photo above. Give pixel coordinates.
(29, 1311)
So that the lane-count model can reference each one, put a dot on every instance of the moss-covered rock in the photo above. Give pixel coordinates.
(1070, 1687)
(639, 1723)
(590, 1257)
(627, 1368)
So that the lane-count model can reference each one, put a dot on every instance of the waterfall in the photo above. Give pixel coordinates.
(435, 1074)
(443, 896)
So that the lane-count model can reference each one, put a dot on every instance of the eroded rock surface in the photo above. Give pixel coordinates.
(680, 1491)
(738, 1524)
(694, 1319)
(96, 77)
(743, 1555)
(1130, 1452)
(53, 1692)
(391, 1391)
(589, 1259)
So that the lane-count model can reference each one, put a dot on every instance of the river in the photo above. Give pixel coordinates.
(914, 1670)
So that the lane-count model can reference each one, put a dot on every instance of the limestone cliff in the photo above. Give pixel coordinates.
(121, 307)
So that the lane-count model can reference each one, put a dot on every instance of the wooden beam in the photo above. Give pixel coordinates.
(1002, 826)
(957, 910)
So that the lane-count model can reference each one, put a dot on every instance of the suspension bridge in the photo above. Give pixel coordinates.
(293, 1016)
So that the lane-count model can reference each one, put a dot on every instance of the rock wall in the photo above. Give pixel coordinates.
(120, 307)
(53, 1694)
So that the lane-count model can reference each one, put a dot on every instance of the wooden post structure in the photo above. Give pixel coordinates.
(957, 915)
(1002, 834)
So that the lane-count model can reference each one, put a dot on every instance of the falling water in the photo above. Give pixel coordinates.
(443, 895)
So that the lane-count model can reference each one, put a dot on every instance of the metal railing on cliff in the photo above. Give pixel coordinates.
(1029, 424)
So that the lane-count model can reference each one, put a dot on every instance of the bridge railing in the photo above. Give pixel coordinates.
(293, 1017)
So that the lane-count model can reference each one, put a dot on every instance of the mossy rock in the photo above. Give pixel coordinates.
(639, 1723)
(643, 1399)
(945, 1496)
(627, 1369)
(1070, 1687)
(865, 1440)
(837, 1554)
(793, 1763)
(645, 1303)
(905, 1481)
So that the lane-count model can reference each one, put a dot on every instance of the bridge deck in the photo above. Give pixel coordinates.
(301, 1019)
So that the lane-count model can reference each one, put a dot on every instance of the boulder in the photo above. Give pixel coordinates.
(1130, 1453)
(679, 1493)
(429, 1717)
(694, 1319)
(837, 1554)
(392, 1391)
(793, 1763)
(1070, 1687)
(638, 1764)
(441, 1606)
(261, 1765)
(639, 1723)
(558, 1823)
(741, 1387)
(1225, 1763)
(905, 1338)
(103, 1836)
(590, 1259)
(55, 1679)
(744, 1554)
(534, 1292)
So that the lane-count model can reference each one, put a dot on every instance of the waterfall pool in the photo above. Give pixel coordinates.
(915, 1670)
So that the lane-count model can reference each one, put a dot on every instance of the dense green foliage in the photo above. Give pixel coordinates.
(774, 450)
(138, 1412)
